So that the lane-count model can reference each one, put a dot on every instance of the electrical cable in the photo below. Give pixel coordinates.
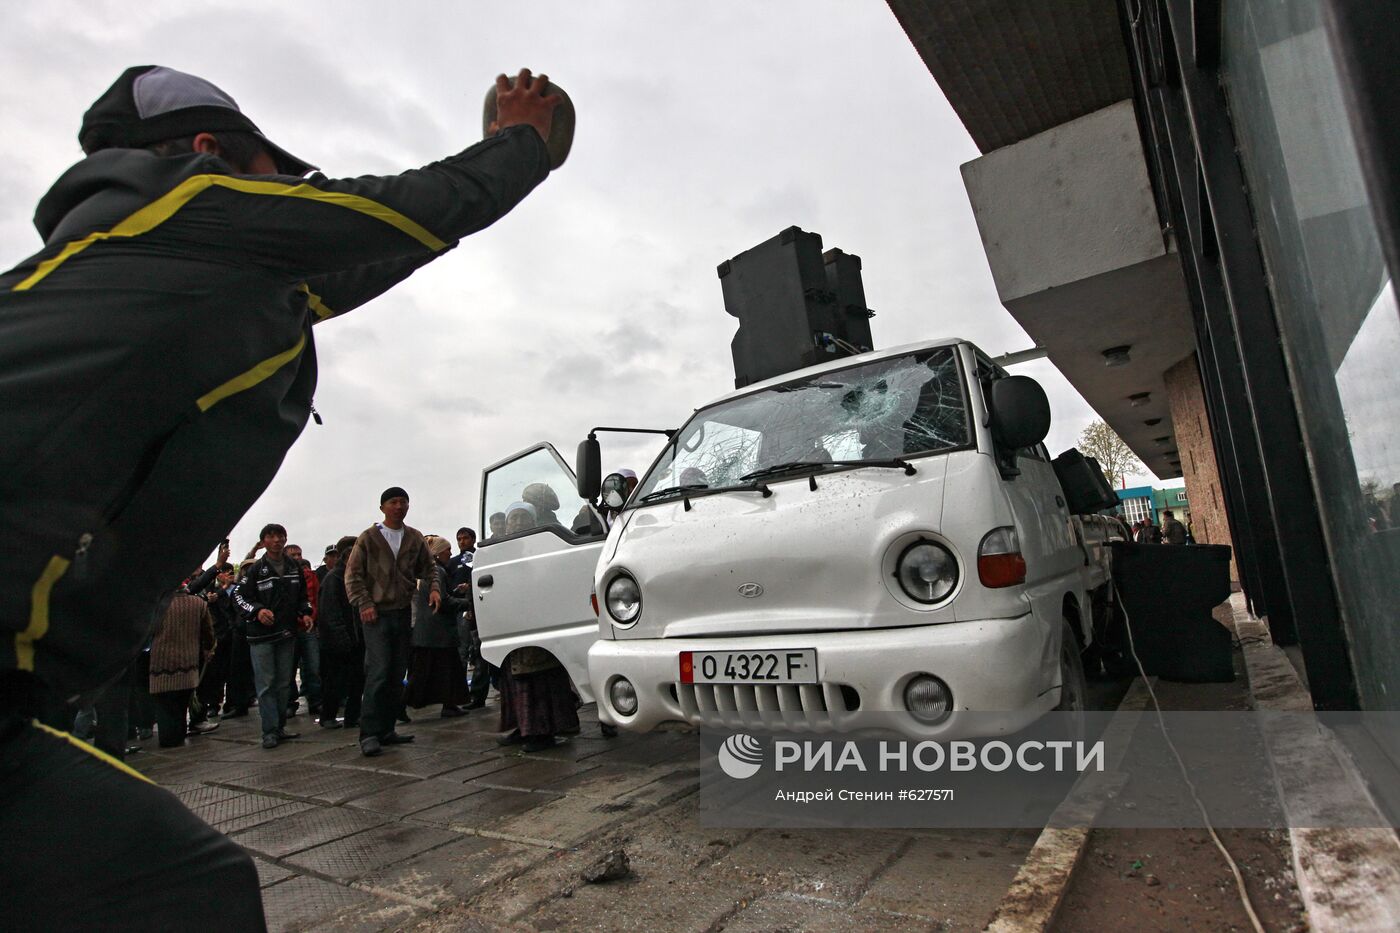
(1181, 765)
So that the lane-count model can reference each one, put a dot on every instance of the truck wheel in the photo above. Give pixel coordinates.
(1074, 690)
(1068, 714)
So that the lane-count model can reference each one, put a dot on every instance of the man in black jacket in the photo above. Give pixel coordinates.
(273, 598)
(130, 449)
(342, 646)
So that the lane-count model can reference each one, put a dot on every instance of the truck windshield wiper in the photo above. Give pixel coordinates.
(673, 490)
(696, 490)
(799, 466)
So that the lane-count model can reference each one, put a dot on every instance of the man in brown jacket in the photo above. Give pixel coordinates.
(381, 575)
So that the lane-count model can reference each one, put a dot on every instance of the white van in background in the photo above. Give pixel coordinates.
(879, 543)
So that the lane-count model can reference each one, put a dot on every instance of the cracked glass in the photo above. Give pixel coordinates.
(903, 406)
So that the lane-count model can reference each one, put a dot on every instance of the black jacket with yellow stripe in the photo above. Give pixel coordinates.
(157, 361)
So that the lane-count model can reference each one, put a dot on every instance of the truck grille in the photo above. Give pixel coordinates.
(796, 707)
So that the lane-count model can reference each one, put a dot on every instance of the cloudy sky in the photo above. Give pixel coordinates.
(703, 129)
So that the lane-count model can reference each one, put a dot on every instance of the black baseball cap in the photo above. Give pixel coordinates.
(151, 103)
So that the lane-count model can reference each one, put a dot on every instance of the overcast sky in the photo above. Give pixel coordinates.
(703, 129)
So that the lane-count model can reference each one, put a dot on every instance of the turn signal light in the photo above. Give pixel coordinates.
(999, 560)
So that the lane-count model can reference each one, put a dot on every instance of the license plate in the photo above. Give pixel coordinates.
(793, 666)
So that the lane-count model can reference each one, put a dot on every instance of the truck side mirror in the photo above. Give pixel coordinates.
(1020, 412)
(588, 468)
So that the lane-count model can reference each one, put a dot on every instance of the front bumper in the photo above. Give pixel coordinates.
(1004, 670)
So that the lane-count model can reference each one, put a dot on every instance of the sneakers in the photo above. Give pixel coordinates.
(270, 740)
(510, 738)
(202, 728)
(449, 711)
(331, 724)
(395, 738)
(284, 735)
(234, 712)
(370, 747)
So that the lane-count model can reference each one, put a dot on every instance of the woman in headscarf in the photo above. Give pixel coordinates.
(435, 672)
(537, 698)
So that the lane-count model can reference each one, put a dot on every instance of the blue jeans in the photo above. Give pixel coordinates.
(272, 677)
(308, 652)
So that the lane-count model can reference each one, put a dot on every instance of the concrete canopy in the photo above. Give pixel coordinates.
(1014, 68)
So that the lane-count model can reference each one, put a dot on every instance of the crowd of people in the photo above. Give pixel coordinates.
(382, 626)
(1171, 531)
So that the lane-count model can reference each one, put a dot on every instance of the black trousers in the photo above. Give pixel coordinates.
(86, 842)
(211, 685)
(342, 681)
(240, 692)
(143, 708)
(172, 719)
(113, 706)
(386, 662)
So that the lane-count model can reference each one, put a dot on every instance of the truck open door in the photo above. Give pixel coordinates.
(532, 578)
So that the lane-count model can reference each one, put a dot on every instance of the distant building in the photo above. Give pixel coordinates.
(1138, 503)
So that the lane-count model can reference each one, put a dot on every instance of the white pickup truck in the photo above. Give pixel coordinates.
(880, 542)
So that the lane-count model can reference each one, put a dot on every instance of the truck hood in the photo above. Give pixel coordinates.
(816, 556)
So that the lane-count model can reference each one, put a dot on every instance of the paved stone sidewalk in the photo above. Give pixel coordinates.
(455, 832)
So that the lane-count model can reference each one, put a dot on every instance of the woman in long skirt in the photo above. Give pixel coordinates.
(435, 671)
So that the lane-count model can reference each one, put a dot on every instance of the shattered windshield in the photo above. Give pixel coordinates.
(898, 407)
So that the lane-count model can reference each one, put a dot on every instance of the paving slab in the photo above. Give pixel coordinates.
(531, 773)
(563, 822)
(196, 796)
(270, 873)
(605, 781)
(454, 872)
(823, 864)
(331, 785)
(372, 917)
(410, 798)
(246, 810)
(958, 886)
(306, 829)
(787, 912)
(482, 810)
(348, 858)
(672, 785)
(482, 768)
(285, 809)
(301, 902)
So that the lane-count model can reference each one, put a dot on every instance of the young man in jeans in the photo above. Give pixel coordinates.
(273, 596)
(380, 576)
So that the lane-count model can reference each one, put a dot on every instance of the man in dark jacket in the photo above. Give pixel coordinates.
(342, 645)
(273, 597)
(130, 448)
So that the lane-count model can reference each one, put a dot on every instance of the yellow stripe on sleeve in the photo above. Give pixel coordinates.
(163, 208)
(97, 753)
(38, 612)
(252, 377)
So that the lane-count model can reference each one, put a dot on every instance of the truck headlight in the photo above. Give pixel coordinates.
(624, 599)
(928, 572)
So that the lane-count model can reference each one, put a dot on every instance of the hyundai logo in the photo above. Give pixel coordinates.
(750, 590)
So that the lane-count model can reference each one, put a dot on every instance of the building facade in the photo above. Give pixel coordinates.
(1194, 205)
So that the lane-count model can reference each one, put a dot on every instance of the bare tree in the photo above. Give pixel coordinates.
(1103, 444)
